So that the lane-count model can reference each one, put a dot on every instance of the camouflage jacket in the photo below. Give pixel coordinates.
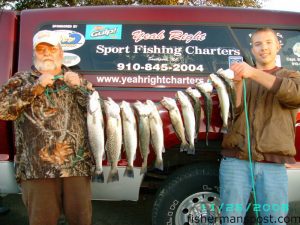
(50, 126)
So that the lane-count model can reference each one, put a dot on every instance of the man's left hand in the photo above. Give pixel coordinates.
(242, 70)
(72, 79)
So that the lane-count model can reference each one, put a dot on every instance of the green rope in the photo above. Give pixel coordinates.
(84, 90)
(56, 77)
(49, 90)
(249, 143)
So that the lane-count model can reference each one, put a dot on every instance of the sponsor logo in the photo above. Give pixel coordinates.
(103, 32)
(296, 49)
(234, 59)
(71, 39)
(70, 59)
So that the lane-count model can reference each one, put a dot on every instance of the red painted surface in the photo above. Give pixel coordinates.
(8, 26)
(31, 20)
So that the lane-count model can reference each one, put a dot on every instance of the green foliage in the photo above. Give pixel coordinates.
(28, 4)
(235, 3)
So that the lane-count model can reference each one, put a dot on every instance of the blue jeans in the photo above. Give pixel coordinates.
(271, 187)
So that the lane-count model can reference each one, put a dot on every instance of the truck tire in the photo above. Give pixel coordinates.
(189, 196)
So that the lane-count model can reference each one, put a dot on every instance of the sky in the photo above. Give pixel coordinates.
(288, 5)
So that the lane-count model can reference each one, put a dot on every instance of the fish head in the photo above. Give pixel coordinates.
(111, 108)
(182, 97)
(150, 103)
(193, 92)
(137, 105)
(94, 103)
(152, 106)
(126, 111)
(219, 71)
(124, 105)
(168, 103)
(142, 109)
(216, 80)
(229, 74)
(196, 93)
(205, 87)
(189, 90)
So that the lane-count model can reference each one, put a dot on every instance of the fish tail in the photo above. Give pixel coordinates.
(98, 177)
(144, 168)
(113, 175)
(159, 164)
(197, 128)
(207, 138)
(224, 129)
(232, 114)
(184, 147)
(196, 134)
(191, 150)
(207, 130)
(129, 172)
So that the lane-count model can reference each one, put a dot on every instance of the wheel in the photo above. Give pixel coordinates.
(189, 196)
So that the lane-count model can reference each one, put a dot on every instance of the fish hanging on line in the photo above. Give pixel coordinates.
(223, 100)
(205, 89)
(113, 137)
(156, 134)
(95, 125)
(129, 136)
(227, 77)
(176, 120)
(144, 132)
(196, 95)
(188, 120)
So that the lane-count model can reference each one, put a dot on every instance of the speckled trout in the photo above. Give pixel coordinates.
(205, 89)
(113, 137)
(195, 95)
(129, 136)
(143, 112)
(156, 134)
(95, 126)
(223, 100)
(188, 120)
(171, 106)
(227, 76)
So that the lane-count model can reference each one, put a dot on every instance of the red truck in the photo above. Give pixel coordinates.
(138, 53)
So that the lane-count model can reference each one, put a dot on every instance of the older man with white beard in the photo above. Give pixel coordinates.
(53, 161)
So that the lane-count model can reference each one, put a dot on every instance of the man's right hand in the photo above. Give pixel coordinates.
(46, 80)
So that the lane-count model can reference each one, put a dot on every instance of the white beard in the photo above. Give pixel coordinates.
(45, 66)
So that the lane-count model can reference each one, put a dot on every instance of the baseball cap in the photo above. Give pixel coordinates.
(48, 36)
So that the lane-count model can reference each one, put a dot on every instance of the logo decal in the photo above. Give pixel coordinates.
(103, 32)
(71, 59)
(71, 39)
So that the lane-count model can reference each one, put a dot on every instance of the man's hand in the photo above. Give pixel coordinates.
(72, 79)
(46, 80)
(242, 70)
